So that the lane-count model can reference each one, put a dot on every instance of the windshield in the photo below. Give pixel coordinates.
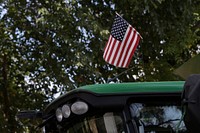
(157, 119)
(105, 123)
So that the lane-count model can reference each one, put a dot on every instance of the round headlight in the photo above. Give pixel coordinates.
(66, 111)
(59, 115)
(79, 108)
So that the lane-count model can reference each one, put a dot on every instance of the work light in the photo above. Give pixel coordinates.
(59, 114)
(66, 111)
(79, 107)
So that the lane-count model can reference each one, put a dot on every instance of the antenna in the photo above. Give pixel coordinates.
(111, 79)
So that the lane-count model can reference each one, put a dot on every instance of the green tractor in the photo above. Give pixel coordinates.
(133, 107)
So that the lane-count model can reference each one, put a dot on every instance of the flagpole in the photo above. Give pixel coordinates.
(109, 80)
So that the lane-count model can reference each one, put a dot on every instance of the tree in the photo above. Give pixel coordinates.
(49, 47)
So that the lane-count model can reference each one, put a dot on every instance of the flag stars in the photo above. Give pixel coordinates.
(119, 28)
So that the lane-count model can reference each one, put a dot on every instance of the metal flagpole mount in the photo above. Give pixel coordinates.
(111, 79)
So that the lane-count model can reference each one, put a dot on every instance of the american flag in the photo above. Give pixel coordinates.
(121, 44)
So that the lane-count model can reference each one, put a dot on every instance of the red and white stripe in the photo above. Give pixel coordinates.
(119, 53)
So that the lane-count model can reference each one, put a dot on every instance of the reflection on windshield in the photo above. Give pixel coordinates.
(154, 119)
(106, 123)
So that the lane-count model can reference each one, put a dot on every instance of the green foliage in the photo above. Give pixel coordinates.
(49, 47)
